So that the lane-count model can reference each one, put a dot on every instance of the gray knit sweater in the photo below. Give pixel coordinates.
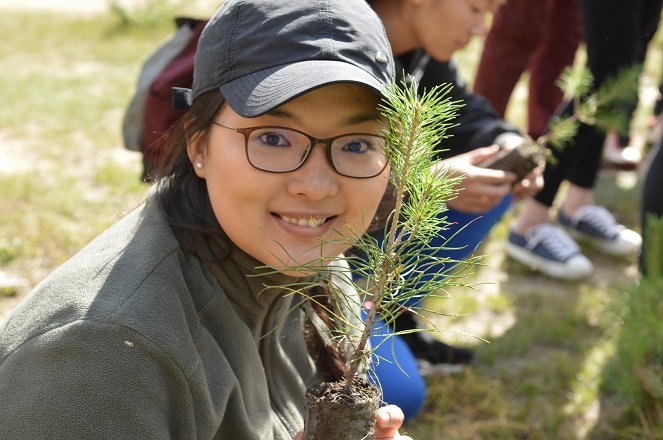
(134, 338)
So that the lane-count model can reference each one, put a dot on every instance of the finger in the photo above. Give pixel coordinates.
(493, 177)
(487, 193)
(389, 419)
(299, 436)
(483, 153)
(479, 202)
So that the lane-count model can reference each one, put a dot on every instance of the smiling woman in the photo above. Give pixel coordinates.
(161, 328)
(279, 217)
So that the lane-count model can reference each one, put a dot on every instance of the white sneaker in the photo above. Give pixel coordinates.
(614, 154)
(598, 227)
(548, 249)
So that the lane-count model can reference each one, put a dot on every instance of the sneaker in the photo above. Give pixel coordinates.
(549, 250)
(433, 357)
(596, 226)
(623, 157)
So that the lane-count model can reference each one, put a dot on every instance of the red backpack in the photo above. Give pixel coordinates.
(151, 112)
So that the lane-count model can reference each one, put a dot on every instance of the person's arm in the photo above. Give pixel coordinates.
(479, 126)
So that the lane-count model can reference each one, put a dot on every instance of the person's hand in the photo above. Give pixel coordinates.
(389, 419)
(481, 188)
(531, 184)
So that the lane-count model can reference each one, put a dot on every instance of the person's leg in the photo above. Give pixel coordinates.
(537, 213)
(556, 50)
(469, 230)
(513, 36)
(465, 233)
(618, 150)
(394, 369)
(611, 31)
(608, 27)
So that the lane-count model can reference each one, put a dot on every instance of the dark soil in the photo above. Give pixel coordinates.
(334, 413)
(520, 160)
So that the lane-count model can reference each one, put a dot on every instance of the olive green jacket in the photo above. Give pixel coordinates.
(134, 338)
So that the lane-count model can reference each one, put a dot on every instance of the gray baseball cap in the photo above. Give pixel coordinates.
(262, 53)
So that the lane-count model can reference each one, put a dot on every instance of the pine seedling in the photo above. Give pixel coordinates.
(599, 108)
(395, 267)
(393, 271)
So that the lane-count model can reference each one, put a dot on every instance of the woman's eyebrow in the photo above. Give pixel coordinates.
(353, 119)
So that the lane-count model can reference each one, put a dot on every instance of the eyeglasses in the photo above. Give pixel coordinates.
(282, 150)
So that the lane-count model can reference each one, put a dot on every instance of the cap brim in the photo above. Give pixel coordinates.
(260, 92)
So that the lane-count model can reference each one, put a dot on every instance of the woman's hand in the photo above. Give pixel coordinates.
(389, 419)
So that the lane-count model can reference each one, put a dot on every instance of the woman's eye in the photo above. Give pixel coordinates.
(273, 139)
(356, 146)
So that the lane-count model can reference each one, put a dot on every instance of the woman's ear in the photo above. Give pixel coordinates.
(196, 151)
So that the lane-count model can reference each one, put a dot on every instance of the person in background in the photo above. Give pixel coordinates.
(610, 29)
(619, 150)
(161, 327)
(537, 37)
(424, 36)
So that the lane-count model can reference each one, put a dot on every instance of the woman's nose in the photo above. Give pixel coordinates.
(316, 179)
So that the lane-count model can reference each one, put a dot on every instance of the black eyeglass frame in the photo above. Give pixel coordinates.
(246, 132)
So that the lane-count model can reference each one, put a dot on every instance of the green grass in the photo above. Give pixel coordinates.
(557, 363)
(66, 175)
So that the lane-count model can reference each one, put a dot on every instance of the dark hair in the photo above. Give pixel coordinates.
(181, 194)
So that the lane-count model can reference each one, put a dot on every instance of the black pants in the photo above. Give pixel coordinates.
(616, 34)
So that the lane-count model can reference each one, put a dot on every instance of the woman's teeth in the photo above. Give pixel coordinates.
(311, 222)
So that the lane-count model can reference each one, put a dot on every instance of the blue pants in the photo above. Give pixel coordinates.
(394, 366)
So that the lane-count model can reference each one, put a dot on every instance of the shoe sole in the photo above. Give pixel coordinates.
(605, 246)
(542, 265)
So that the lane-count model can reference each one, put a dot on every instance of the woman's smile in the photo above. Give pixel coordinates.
(309, 221)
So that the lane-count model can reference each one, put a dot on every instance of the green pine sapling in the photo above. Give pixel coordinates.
(599, 109)
(393, 271)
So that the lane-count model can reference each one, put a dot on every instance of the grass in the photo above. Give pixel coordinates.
(557, 362)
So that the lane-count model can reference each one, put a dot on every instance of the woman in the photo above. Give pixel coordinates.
(164, 326)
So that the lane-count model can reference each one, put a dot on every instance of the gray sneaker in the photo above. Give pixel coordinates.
(597, 227)
(548, 249)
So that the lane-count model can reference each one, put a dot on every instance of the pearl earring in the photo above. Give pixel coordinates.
(199, 165)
